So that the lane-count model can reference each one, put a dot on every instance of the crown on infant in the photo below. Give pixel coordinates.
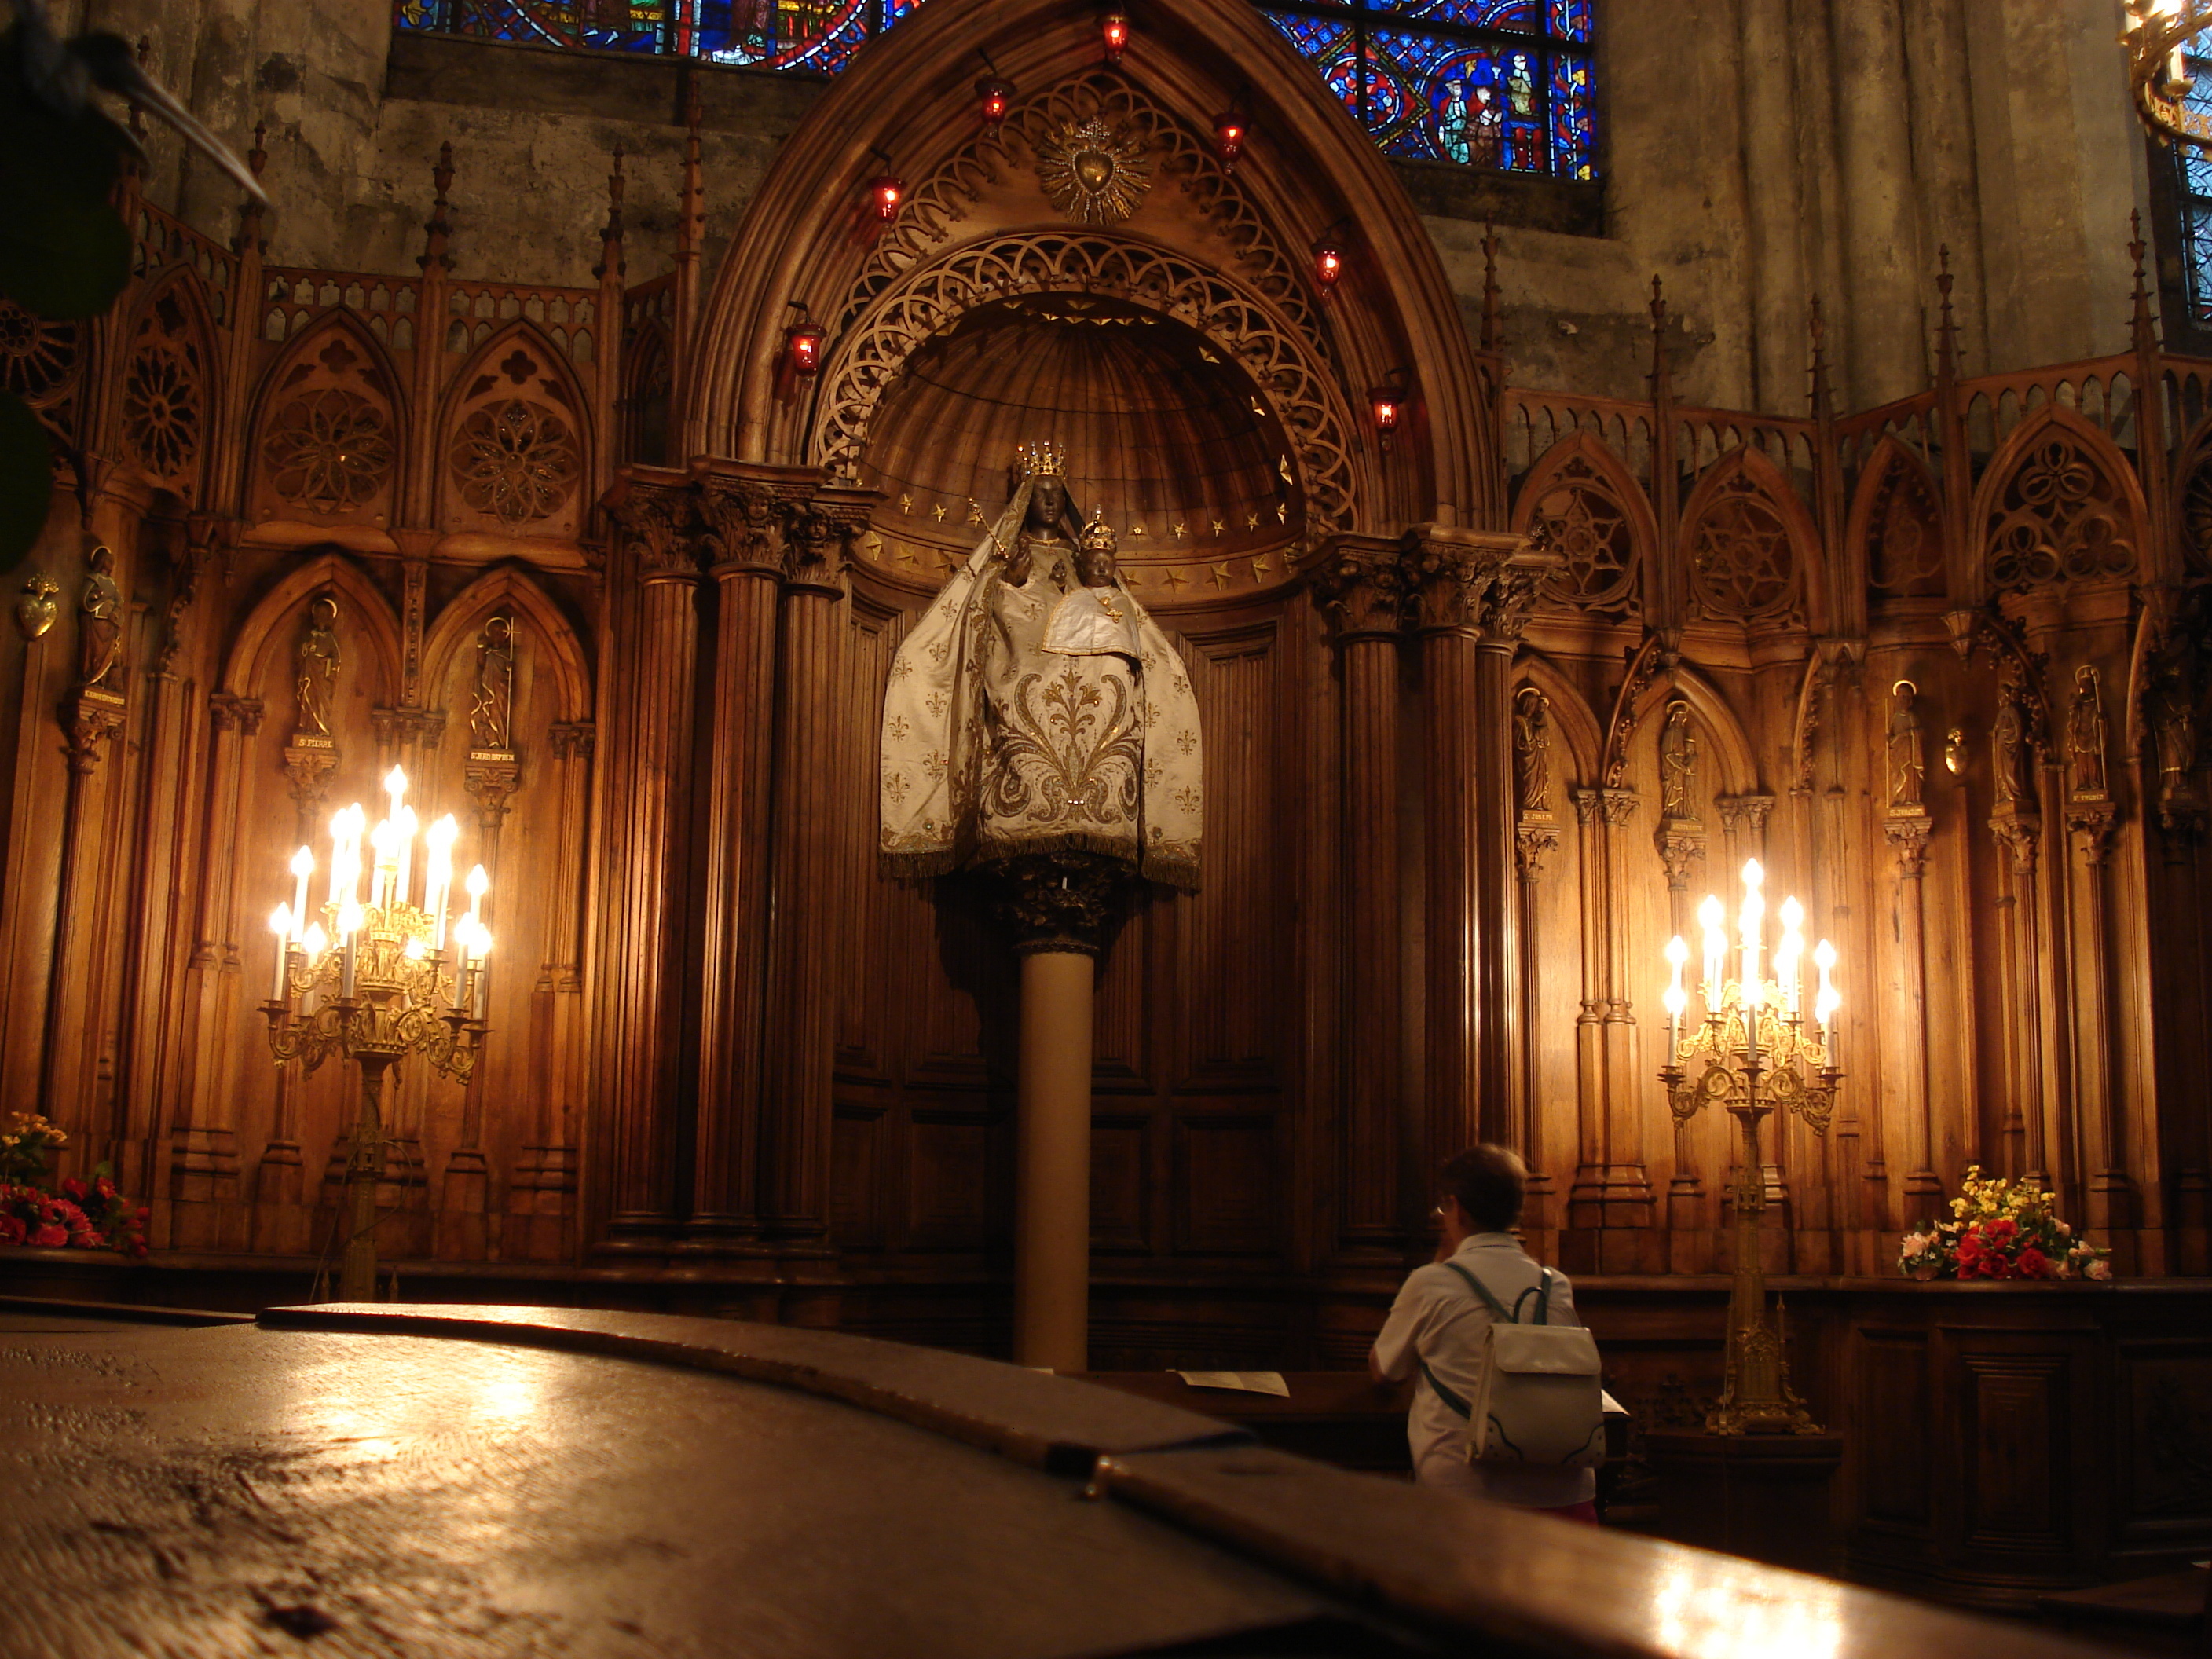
(1044, 460)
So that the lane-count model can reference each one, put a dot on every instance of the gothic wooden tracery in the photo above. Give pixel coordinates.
(1745, 556)
(1588, 511)
(1238, 323)
(167, 391)
(514, 452)
(2057, 506)
(328, 444)
(1897, 520)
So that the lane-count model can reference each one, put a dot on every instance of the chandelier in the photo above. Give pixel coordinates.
(1758, 1047)
(372, 982)
(2155, 32)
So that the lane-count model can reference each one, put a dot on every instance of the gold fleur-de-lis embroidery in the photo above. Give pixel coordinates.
(1186, 739)
(901, 667)
(936, 704)
(896, 784)
(934, 764)
(898, 726)
(1186, 797)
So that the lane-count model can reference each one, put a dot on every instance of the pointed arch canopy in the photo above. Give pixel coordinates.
(2058, 502)
(509, 585)
(1307, 171)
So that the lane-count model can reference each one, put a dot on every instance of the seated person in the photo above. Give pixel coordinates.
(1437, 1325)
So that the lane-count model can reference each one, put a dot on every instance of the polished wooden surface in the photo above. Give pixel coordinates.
(512, 1480)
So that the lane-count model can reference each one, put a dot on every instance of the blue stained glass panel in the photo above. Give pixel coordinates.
(1476, 104)
(2195, 168)
(1521, 16)
(1570, 20)
(1574, 120)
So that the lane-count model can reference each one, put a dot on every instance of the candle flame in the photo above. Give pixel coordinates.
(317, 941)
(303, 864)
(280, 921)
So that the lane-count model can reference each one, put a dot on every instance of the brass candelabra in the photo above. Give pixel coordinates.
(375, 985)
(1753, 1053)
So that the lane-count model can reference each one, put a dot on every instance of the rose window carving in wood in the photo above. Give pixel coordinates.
(328, 452)
(516, 461)
(1742, 562)
(37, 356)
(1580, 520)
(2058, 520)
(1905, 551)
(161, 411)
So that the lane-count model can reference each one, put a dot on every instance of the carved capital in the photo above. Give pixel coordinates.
(492, 778)
(1613, 807)
(1361, 585)
(1678, 849)
(2022, 834)
(1532, 838)
(1449, 579)
(574, 739)
(1907, 834)
(1510, 599)
(92, 715)
(653, 511)
(2089, 826)
(309, 761)
(744, 524)
(421, 728)
(1751, 813)
(234, 714)
(1060, 901)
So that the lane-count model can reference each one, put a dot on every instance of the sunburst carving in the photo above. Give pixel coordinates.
(1093, 173)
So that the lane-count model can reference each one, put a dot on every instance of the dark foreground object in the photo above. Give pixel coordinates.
(496, 1481)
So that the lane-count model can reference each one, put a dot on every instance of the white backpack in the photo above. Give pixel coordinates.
(1539, 1404)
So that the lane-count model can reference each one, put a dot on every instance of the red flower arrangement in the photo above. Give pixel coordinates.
(76, 1215)
(1999, 1229)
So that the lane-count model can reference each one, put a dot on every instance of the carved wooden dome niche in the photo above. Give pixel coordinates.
(1166, 439)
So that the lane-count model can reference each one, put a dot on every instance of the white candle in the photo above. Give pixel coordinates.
(438, 888)
(403, 832)
(479, 885)
(1678, 953)
(483, 971)
(280, 923)
(339, 824)
(1787, 954)
(1709, 915)
(1825, 999)
(395, 785)
(303, 865)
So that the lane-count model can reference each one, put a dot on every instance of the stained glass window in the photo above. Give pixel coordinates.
(2194, 170)
(1481, 83)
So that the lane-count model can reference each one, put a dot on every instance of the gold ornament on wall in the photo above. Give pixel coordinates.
(36, 609)
(1093, 173)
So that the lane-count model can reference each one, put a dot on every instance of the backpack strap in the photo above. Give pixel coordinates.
(1452, 1401)
(1497, 1309)
(1541, 1290)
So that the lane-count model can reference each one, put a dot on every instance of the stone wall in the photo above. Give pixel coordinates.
(1757, 153)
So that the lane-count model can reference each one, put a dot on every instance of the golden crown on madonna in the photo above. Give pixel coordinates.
(1043, 460)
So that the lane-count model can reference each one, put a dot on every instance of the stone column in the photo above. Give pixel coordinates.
(1501, 1076)
(1362, 588)
(647, 842)
(1062, 907)
(2020, 954)
(1536, 836)
(744, 512)
(1907, 834)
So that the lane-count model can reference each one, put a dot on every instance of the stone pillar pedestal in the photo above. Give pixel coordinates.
(1769, 1496)
(1063, 906)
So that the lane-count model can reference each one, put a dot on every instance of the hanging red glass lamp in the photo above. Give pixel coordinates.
(1229, 131)
(1328, 254)
(803, 341)
(1115, 25)
(997, 97)
(885, 191)
(1389, 405)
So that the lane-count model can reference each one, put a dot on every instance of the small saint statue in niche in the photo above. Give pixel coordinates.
(2174, 729)
(1532, 750)
(1678, 762)
(2008, 737)
(316, 662)
(100, 625)
(2085, 736)
(491, 713)
(1908, 750)
(1036, 708)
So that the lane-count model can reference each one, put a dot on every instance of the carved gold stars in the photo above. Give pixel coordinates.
(1093, 173)
(1219, 528)
(1252, 519)
(1175, 577)
(906, 503)
(1220, 577)
(1180, 531)
(938, 510)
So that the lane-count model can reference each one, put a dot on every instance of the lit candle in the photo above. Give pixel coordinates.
(402, 828)
(303, 865)
(280, 923)
(438, 886)
(1825, 999)
(1787, 953)
(479, 885)
(384, 841)
(395, 784)
(1750, 920)
(483, 971)
(340, 822)
(315, 942)
(1710, 917)
(1678, 953)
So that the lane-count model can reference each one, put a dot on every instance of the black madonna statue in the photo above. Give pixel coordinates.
(1036, 708)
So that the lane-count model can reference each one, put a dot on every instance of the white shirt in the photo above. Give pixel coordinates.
(1437, 1319)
